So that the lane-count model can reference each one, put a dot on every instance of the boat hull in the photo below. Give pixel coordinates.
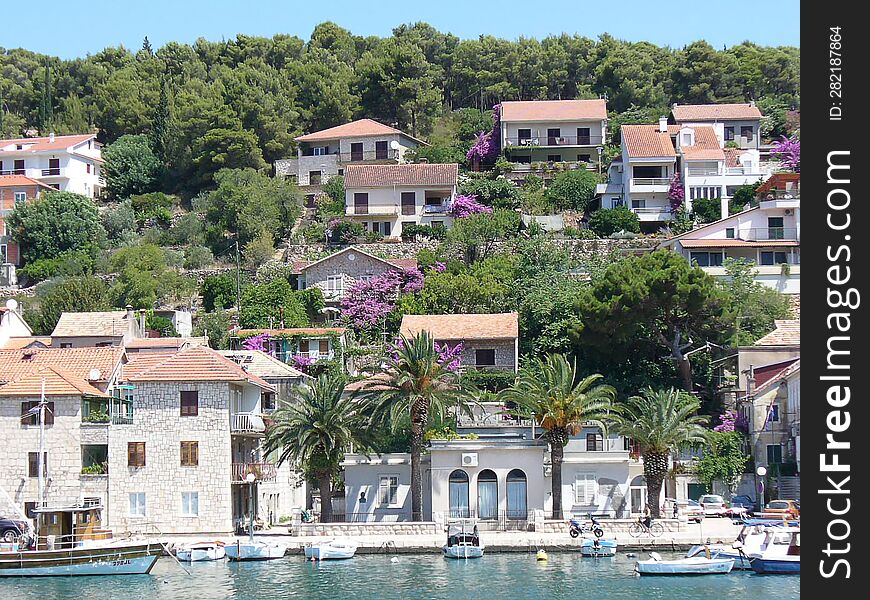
(200, 554)
(741, 561)
(603, 547)
(684, 567)
(255, 551)
(136, 559)
(462, 551)
(776, 566)
(329, 552)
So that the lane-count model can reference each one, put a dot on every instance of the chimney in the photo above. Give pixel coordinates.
(51, 137)
(663, 124)
(752, 103)
(130, 315)
(142, 322)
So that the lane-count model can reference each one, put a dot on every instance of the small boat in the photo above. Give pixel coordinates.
(749, 541)
(331, 550)
(771, 558)
(201, 551)
(598, 547)
(696, 565)
(463, 541)
(128, 558)
(255, 550)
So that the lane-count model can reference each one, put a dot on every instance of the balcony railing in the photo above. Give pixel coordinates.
(263, 471)
(761, 234)
(701, 172)
(562, 140)
(436, 209)
(372, 210)
(641, 181)
(14, 172)
(653, 213)
(247, 423)
(50, 172)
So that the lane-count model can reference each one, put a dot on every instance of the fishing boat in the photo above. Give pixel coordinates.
(102, 559)
(254, 549)
(596, 547)
(331, 550)
(696, 565)
(201, 551)
(771, 559)
(463, 541)
(748, 541)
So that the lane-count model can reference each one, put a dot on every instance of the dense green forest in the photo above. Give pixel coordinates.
(239, 103)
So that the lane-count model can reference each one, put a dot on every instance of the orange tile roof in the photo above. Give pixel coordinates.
(778, 181)
(58, 382)
(21, 181)
(359, 128)
(732, 157)
(554, 110)
(40, 144)
(112, 323)
(794, 302)
(463, 326)
(77, 361)
(403, 174)
(195, 363)
(402, 263)
(646, 141)
(170, 342)
(706, 146)
(715, 112)
(734, 243)
(787, 333)
(292, 331)
(18, 343)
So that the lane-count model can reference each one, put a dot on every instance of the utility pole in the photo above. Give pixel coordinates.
(238, 282)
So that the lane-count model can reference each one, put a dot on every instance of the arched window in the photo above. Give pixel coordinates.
(459, 494)
(516, 495)
(487, 495)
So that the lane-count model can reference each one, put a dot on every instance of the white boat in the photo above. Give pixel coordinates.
(772, 560)
(598, 547)
(98, 558)
(331, 550)
(201, 551)
(696, 565)
(749, 541)
(255, 550)
(463, 541)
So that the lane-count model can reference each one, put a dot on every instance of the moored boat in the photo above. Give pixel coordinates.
(255, 550)
(598, 547)
(772, 560)
(463, 541)
(331, 550)
(696, 565)
(112, 558)
(201, 551)
(748, 541)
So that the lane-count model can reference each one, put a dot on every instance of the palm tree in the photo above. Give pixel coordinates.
(417, 383)
(316, 430)
(659, 422)
(546, 391)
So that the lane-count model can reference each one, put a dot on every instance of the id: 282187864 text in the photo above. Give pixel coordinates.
(835, 77)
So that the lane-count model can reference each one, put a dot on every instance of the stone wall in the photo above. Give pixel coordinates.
(610, 526)
(361, 529)
(350, 266)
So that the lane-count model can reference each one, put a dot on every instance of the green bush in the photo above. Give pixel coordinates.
(573, 189)
(345, 232)
(606, 221)
(161, 324)
(153, 206)
(490, 381)
(707, 210)
(497, 193)
(411, 231)
(197, 257)
(71, 262)
(218, 291)
(313, 233)
(579, 234)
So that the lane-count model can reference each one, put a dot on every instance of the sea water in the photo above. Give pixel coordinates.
(429, 576)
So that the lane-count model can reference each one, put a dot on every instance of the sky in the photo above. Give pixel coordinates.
(77, 29)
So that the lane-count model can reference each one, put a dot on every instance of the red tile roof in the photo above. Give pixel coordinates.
(646, 141)
(40, 144)
(777, 377)
(195, 363)
(554, 110)
(706, 146)
(403, 174)
(360, 128)
(17, 343)
(787, 333)
(732, 157)
(734, 243)
(8, 181)
(175, 343)
(715, 112)
(57, 382)
(76, 361)
(769, 372)
(463, 326)
(778, 181)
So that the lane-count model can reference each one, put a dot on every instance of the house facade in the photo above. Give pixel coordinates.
(69, 163)
(310, 344)
(12, 324)
(386, 198)
(106, 328)
(14, 190)
(739, 124)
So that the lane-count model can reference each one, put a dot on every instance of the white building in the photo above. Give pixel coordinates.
(737, 123)
(70, 163)
(385, 198)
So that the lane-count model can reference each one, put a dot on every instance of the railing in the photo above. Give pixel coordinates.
(700, 172)
(754, 170)
(638, 181)
(316, 355)
(758, 234)
(49, 172)
(509, 520)
(653, 214)
(14, 172)
(372, 210)
(362, 517)
(791, 194)
(247, 423)
(436, 209)
(364, 155)
(263, 471)
(561, 140)
(582, 515)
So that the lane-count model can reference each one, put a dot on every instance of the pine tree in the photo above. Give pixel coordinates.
(160, 124)
(46, 110)
(146, 47)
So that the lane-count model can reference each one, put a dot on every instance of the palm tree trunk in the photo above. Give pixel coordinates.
(557, 454)
(416, 476)
(655, 469)
(324, 483)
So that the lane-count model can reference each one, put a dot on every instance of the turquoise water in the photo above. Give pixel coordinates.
(501, 576)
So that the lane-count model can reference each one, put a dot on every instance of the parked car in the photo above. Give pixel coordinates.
(713, 505)
(691, 509)
(694, 511)
(11, 529)
(790, 509)
(743, 501)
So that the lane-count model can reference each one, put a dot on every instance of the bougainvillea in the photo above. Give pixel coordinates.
(257, 342)
(676, 193)
(448, 357)
(487, 146)
(789, 152)
(727, 421)
(367, 303)
(302, 362)
(467, 205)
(440, 267)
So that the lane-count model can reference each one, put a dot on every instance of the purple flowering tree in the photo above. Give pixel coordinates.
(367, 303)
(789, 152)
(467, 205)
(487, 146)
(727, 421)
(302, 362)
(676, 193)
(258, 342)
(449, 358)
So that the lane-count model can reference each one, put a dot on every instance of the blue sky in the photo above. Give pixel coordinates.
(69, 30)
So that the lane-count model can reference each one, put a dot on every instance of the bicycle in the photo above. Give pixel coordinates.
(651, 528)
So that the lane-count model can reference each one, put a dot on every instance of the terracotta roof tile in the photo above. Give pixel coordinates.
(18, 343)
(58, 382)
(262, 365)
(715, 112)
(292, 331)
(359, 128)
(170, 342)
(402, 263)
(554, 110)
(795, 304)
(787, 333)
(77, 361)
(646, 141)
(195, 363)
(106, 323)
(706, 146)
(734, 243)
(21, 181)
(732, 157)
(464, 326)
(40, 144)
(778, 181)
(403, 174)
(769, 372)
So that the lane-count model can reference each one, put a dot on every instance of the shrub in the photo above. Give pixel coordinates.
(197, 257)
(411, 231)
(606, 221)
(341, 231)
(259, 250)
(497, 193)
(573, 189)
(218, 291)
(707, 210)
(313, 233)
(119, 220)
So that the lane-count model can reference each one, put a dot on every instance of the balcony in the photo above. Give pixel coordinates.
(547, 141)
(437, 209)
(247, 423)
(490, 414)
(637, 182)
(384, 211)
(369, 155)
(263, 471)
(653, 214)
(316, 355)
(763, 234)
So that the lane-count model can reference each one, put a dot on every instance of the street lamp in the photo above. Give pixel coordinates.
(251, 478)
(761, 472)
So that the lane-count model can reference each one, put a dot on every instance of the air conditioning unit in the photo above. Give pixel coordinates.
(788, 211)
(469, 459)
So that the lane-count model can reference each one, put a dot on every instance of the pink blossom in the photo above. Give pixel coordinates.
(302, 362)
(366, 304)
(465, 206)
(440, 267)
(487, 146)
(257, 342)
(676, 192)
(728, 421)
(789, 152)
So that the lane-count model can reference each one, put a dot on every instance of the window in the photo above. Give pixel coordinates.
(189, 454)
(95, 459)
(458, 493)
(554, 158)
(729, 233)
(641, 203)
(522, 160)
(409, 203)
(553, 136)
(310, 201)
(594, 442)
(53, 166)
(706, 259)
(487, 495)
(361, 203)
(356, 151)
(484, 357)
(747, 132)
(729, 134)
(314, 177)
(584, 489)
(66, 344)
(319, 150)
(584, 158)
(19, 167)
(516, 495)
(267, 400)
(437, 224)
(386, 228)
(137, 504)
(583, 137)
(773, 258)
(649, 172)
(20, 197)
(774, 413)
(388, 489)
(381, 150)
(774, 454)
(775, 229)
(3, 253)
(28, 418)
(135, 454)
(189, 404)
(334, 283)
(705, 192)
(376, 227)
(33, 464)
(88, 168)
(190, 504)
(524, 135)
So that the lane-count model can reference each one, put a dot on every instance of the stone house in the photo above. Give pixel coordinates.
(316, 344)
(737, 123)
(107, 328)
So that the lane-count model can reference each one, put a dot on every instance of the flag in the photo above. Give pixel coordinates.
(767, 417)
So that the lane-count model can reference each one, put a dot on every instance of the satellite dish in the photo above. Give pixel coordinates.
(94, 374)
(12, 304)
(394, 145)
